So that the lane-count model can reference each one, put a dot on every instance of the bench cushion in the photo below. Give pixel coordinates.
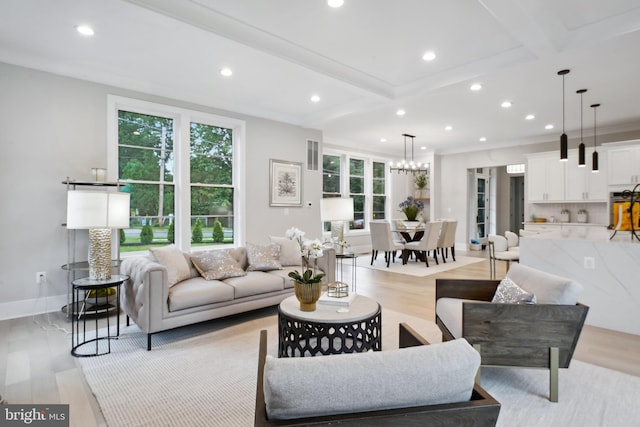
(346, 383)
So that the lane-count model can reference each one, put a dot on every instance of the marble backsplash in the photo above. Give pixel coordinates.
(597, 213)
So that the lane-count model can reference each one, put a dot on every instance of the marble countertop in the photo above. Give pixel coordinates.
(585, 224)
(593, 234)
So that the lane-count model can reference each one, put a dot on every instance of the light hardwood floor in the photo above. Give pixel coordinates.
(37, 367)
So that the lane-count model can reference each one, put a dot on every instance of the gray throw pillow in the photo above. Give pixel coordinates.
(509, 292)
(217, 265)
(263, 257)
(174, 261)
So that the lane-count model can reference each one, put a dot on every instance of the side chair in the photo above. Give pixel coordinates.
(429, 242)
(382, 240)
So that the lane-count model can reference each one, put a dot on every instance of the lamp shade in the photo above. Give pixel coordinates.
(336, 209)
(97, 209)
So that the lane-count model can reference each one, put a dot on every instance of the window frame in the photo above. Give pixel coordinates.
(182, 119)
(345, 191)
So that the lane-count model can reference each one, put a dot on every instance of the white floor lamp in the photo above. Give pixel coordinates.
(99, 212)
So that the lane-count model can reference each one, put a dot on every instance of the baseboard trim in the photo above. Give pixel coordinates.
(31, 307)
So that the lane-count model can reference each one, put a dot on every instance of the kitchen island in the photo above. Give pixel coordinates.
(609, 270)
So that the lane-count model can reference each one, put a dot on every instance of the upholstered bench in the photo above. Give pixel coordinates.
(421, 385)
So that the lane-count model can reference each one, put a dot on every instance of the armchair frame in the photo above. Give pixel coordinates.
(481, 410)
(521, 335)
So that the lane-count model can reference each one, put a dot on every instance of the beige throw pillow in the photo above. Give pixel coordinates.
(174, 261)
(217, 265)
(263, 257)
(290, 253)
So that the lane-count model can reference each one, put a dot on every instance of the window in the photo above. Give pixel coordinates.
(180, 167)
(364, 180)
(356, 192)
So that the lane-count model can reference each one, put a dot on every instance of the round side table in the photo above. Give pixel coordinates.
(330, 329)
(91, 305)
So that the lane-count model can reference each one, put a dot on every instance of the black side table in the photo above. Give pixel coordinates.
(90, 305)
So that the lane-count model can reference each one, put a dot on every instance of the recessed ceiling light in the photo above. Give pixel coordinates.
(85, 30)
(530, 117)
(335, 3)
(423, 147)
(226, 72)
(506, 104)
(475, 87)
(400, 112)
(315, 98)
(429, 56)
(548, 127)
(448, 128)
(483, 139)
(383, 139)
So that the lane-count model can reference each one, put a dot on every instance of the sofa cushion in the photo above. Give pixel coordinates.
(217, 264)
(174, 261)
(548, 288)
(284, 273)
(263, 257)
(198, 292)
(255, 283)
(449, 310)
(509, 292)
(290, 252)
(301, 387)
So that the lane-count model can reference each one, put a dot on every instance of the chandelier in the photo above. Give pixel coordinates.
(408, 166)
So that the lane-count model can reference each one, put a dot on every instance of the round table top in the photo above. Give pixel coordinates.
(87, 282)
(360, 308)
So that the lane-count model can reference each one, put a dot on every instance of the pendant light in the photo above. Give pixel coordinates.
(564, 143)
(581, 148)
(594, 158)
(408, 166)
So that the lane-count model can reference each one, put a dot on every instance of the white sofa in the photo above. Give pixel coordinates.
(156, 304)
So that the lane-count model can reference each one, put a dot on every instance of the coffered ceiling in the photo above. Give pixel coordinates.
(364, 61)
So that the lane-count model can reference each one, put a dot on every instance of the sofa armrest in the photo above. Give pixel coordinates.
(145, 295)
(327, 263)
(481, 290)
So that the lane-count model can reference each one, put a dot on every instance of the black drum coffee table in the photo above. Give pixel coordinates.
(331, 329)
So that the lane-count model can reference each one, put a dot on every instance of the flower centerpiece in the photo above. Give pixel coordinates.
(308, 284)
(411, 208)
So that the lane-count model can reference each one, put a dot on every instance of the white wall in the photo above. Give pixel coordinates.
(53, 127)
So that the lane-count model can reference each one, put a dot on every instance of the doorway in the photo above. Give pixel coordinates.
(516, 203)
(481, 204)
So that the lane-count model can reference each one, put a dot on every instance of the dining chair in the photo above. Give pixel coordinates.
(382, 240)
(429, 242)
(499, 250)
(447, 239)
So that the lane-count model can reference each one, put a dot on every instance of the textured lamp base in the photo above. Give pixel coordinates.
(100, 253)
(337, 231)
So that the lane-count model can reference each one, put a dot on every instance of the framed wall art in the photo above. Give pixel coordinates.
(285, 182)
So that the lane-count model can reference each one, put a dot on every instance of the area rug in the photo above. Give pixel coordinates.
(413, 268)
(205, 375)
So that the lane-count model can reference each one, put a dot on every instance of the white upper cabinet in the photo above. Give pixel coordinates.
(545, 178)
(624, 165)
(581, 184)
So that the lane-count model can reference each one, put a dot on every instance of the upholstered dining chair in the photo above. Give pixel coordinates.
(382, 240)
(499, 250)
(447, 239)
(513, 241)
(429, 242)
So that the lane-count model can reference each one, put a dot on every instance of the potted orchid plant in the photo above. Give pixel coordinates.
(308, 284)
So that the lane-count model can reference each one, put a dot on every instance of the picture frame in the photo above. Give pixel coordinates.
(285, 183)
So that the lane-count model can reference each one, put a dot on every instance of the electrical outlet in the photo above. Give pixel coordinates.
(41, 277)
(589, 263)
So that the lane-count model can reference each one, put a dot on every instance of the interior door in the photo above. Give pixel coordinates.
(482, 205)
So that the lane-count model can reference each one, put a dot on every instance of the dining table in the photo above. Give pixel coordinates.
(411, 233)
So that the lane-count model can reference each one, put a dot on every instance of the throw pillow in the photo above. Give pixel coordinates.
(290, 253)
(509, 292)
(263, 257)
(174, 261)
(216, 265)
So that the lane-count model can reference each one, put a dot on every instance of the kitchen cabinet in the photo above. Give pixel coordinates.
(581, 184)
(545, 178)
(624, 165)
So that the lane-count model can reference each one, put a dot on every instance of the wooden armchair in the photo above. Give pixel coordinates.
(521, 335)
(481, 410)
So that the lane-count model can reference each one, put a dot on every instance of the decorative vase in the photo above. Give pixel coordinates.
(307, 294)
